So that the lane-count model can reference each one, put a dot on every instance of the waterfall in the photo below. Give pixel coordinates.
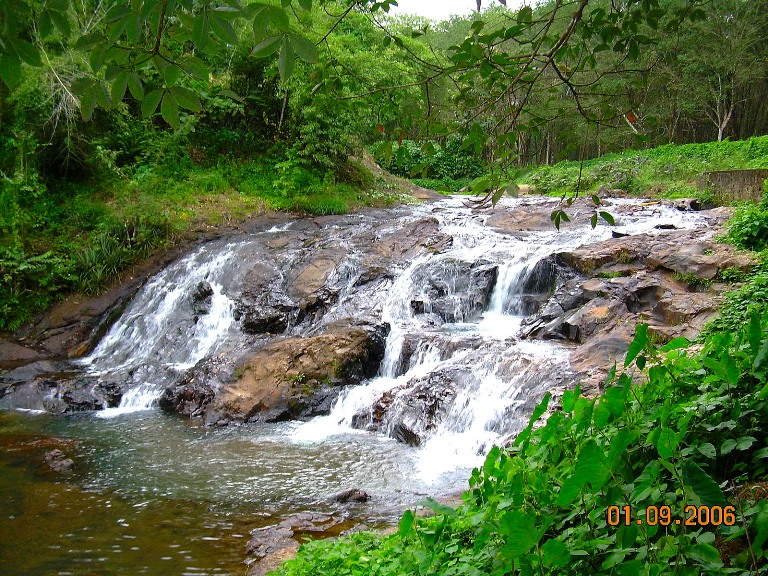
(161, 333)
(454, 379)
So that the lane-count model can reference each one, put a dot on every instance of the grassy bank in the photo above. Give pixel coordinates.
(665, 473)
(64, 235)
(665, 172)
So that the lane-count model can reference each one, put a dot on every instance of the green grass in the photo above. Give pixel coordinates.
(668, 171)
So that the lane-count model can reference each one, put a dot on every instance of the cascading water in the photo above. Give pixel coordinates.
(160, 335)
(454, 380)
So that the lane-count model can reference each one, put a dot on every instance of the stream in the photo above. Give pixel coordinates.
(152, 493)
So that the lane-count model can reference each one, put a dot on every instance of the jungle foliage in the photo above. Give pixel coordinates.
(179, 114)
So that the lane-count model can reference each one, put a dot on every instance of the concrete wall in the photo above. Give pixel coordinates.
(734, 185)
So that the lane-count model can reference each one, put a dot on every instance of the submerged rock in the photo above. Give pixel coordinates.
(352, 495)
(58, 461)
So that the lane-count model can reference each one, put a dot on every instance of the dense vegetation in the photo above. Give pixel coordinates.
(665, 473)
(123, 124)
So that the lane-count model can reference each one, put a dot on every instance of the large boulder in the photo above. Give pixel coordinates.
(298, 377)
(664, 280)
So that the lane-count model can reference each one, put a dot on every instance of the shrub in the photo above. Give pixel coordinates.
(115, 248)
(749, 227)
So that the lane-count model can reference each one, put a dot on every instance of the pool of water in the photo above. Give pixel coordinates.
(152, 494)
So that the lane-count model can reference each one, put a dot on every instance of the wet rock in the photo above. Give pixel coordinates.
(13, 355)
(309, 284)
(263, 307)
(58, 461)
(271, 545)
(202, 298)
(55, 387)
(534, 215)
(352, 495)
(297, 377)
(412, 239)
(454, 290)
(410, 413)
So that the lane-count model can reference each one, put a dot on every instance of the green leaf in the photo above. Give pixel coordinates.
(591, 467)
(306, 4)
(286, 59)
(133, 28)
(222, 29)
(61, 21)
(608, 217)
(267, 47)
(755, 333)
(745, 442)
(675, 344)
(119, 86)
(88, 41)
(555, 553)
(305, 49)
(631, 568)
(10, 70)
(170, 72)
(114, 31)
(279, 18)
(200, 31)
(406, 523)
(135, 86)
(439, 508)
(88, 101)
(520, 533)
(233, 95)
(98, 57)
(116, 13)
(732, 372)
(186, 98)
(25, 51)
(707, 450)
(666, 442)
(761, 356)
(150, 102)
(525, 15)
(702, 485)
(593, 221)
(706, 554)
(169, 109)
(638, 344)
(569, 399)
(45, 24)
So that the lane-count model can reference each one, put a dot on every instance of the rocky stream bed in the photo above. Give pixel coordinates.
(269, 369)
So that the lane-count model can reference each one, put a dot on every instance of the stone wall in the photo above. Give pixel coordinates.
(734, 185)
